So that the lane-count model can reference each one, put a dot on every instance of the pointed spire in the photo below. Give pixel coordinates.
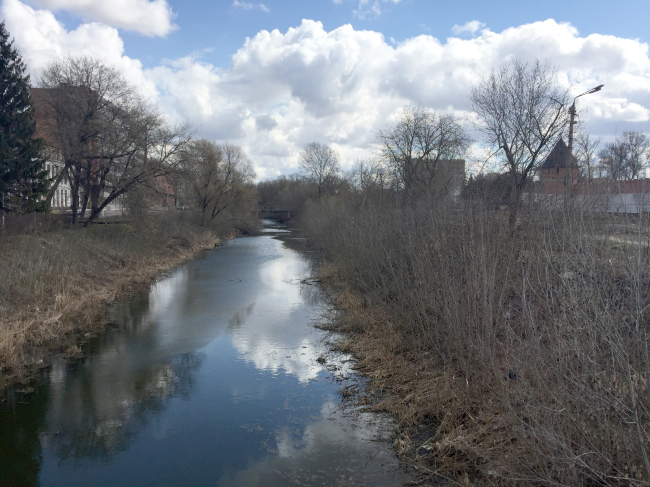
(558, 156)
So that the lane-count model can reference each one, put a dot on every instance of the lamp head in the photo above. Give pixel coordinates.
(593, 90)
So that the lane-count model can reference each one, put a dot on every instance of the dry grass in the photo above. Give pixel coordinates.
(509, 357)
(54, 285)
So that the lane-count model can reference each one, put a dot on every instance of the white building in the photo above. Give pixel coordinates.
(62, 197)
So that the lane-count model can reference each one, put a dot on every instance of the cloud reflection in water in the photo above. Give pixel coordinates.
(272, 333)
(338, 449)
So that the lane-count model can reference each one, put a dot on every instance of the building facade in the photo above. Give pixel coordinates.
(46, 129)
(52, 151)
(560, 178)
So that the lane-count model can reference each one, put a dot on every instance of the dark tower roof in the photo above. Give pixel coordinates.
(558, 156)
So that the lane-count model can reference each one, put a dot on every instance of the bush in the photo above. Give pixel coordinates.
(527, 349)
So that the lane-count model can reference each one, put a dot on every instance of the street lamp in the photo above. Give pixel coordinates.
(569, 156)
(572, 113)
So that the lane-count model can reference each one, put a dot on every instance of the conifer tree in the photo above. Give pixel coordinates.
(23, 181)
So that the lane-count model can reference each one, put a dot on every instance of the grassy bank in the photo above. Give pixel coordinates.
(55, 282)
(508, 357)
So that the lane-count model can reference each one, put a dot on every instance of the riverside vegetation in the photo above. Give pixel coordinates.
(508, 357)
(55, 281)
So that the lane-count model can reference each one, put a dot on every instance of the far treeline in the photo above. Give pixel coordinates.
(109, 146)
(510, 330)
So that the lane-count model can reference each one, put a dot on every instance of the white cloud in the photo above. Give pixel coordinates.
(339, 87)
(243, 5)
(283, 90)
(41, 38)
(250, 6)
(471, 27)
(151, 18)
(369, 9)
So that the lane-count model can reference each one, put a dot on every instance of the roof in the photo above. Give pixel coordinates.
(558, 156)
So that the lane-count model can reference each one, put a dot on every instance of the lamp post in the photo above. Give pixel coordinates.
(569, 157)
(572, 122)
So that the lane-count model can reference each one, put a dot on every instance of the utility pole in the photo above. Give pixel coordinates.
(569, 157)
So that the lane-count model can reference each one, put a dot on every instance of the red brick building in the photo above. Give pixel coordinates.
(599, 194)
(558, 171)
(45, 121)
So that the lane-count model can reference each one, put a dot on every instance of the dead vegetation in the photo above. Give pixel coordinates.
(510, 357)
(55, 284)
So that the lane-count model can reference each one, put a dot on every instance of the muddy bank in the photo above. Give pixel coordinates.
(402, 381)
(55, 286)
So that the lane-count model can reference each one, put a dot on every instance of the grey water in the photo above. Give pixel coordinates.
(213, 377)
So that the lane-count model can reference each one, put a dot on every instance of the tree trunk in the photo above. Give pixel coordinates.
(514, 205)
(95, 212)
(57, 181)
(75, 203)
(84, 205)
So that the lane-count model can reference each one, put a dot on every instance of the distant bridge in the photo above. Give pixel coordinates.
(274, 213)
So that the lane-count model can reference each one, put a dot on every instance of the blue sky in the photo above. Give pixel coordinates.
(216, 29)
(337, 70)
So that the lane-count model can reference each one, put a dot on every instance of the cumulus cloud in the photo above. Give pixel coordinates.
(265, 122)
(339, 87)
(41, 38)
(151, 18)
(471, 27)
(368, 9)
(283, 90)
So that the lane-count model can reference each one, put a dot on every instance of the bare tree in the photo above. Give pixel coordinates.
(612, 161)
(522, 112)
(367, 175)
(320, 164)
(287, 192)
(626, 157)
(637, 152)
(111, 140)
(135, 149)
(414, 145)
(586, 150)
(79, 90)
(217, 178)
(371, 180)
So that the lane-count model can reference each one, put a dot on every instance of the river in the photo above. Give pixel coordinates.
(215, 376)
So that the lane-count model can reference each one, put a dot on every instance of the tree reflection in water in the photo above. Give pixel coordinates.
(22, 417)
(87, 419)
(239, 323)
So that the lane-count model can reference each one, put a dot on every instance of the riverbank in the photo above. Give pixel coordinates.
(55, 285)
(404, 382)
(507, 357)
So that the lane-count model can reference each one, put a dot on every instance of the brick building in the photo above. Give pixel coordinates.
(52, 151)
(599, 194)
(558, 171)
(46, 129)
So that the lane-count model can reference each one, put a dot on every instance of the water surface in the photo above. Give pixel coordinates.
(212, 377)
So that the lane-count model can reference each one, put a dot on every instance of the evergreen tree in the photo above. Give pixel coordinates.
(23, 180)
